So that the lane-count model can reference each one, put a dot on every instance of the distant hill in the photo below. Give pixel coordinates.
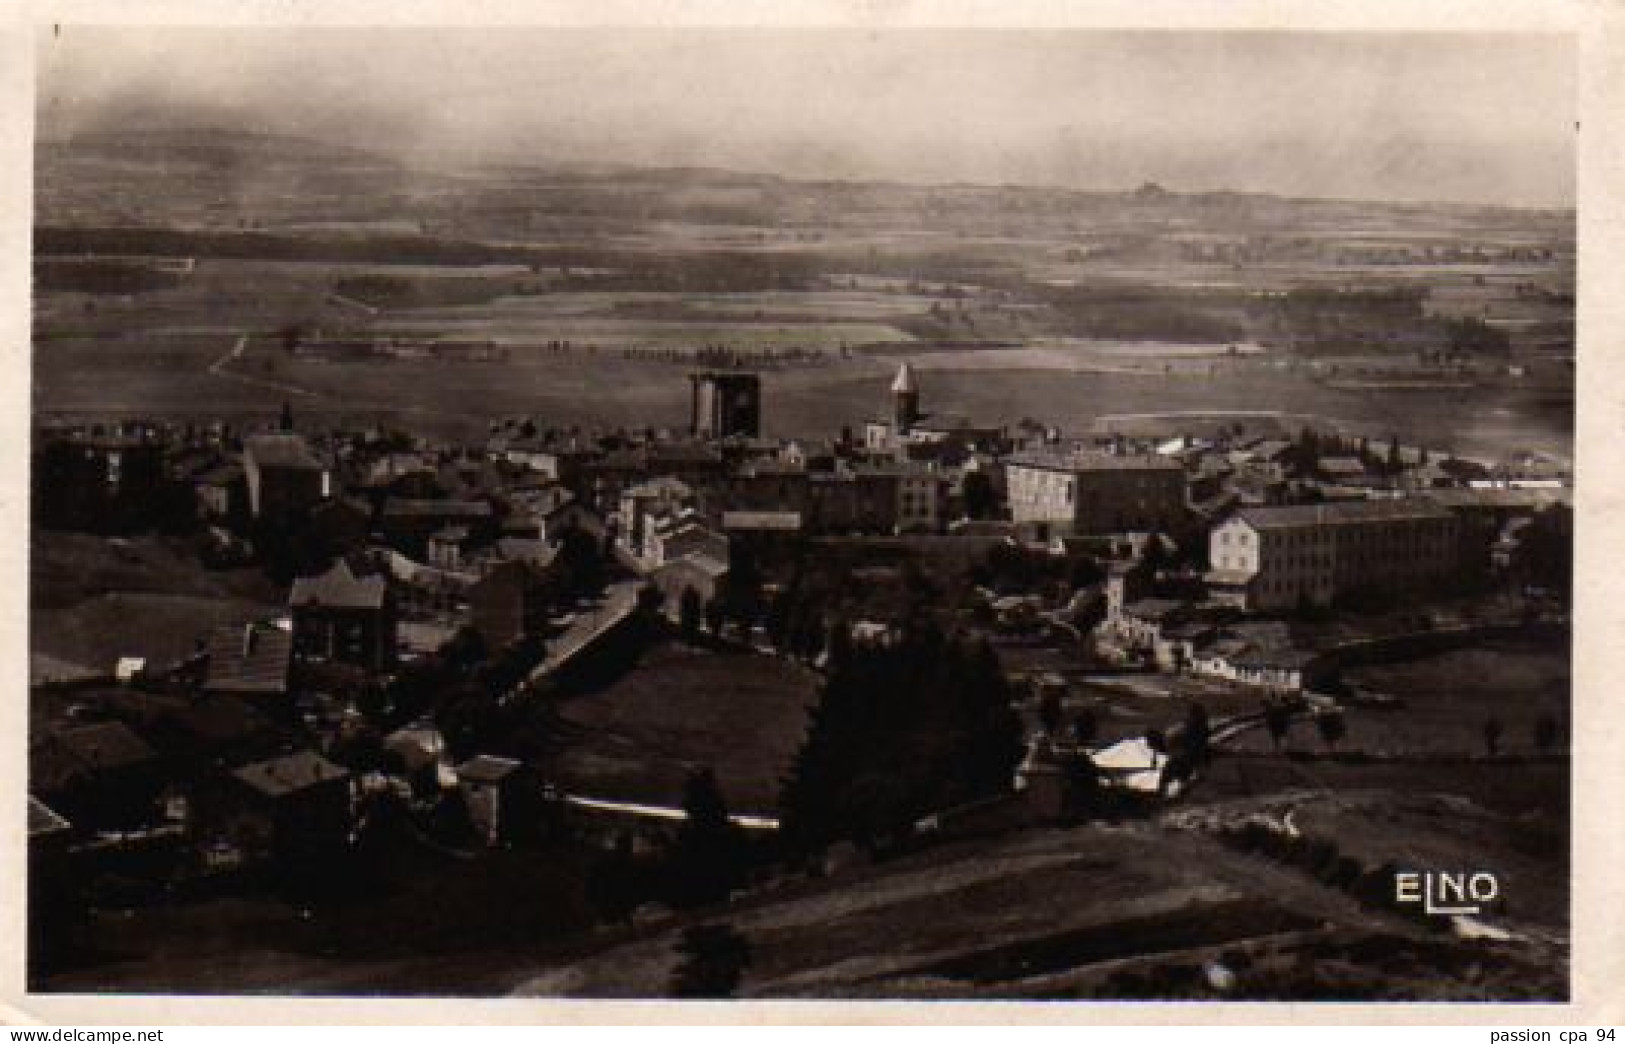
(318, 162)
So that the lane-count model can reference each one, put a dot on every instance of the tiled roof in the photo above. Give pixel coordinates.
(105, 745)
(1153, 608)
(216, 720)
(289, 774)
(404, 507)
(690, 452)
(223, 473)
(1500, 498)
(42, 820)
(339, 587)
(1343, 512)
(776, 520)
(1341, 466)
(665, 486)
(487, 768)
(711, 567)
(249, 659)
(282, 451)
(1053, 461)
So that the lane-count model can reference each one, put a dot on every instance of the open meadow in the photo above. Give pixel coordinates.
(742, 714)
(597, 289)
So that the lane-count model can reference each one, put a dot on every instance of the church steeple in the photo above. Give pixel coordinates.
(905, 398)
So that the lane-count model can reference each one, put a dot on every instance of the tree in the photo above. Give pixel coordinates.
(1544, 556)
(1084, 727)
(1332, 728)
(1081, 780)
(981, 499)
(1470, 335)
(1278, 719)
(581, 563)
(714, 958)
(1176, 772)
(1308, 449)
(465, 649)
(1195, 736)
(613, 882)
(451, 824)
(1492, 735)
(372, 702)
(648, 603)
(706, 863)
(690, 608)
(899, 732)
(1545, 732)
(469, 722)
(1049, 712)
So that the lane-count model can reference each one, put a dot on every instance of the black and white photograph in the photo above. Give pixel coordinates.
(813, 513)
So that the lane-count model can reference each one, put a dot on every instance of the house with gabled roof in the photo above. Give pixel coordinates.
(296, 808)
(505, 798)
(512, 599)
(99, 775)
(340, 617)
(285, 478)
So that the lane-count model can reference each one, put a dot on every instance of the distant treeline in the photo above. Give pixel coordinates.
(1396, 302)
(1309, 319)
(101, 277)
(713, 271)
(1151, 313)
(267, 246)
(383, 291)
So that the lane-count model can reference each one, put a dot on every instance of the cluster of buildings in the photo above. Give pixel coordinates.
(397, 544)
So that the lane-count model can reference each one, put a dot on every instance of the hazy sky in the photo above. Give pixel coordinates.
(1468, 117)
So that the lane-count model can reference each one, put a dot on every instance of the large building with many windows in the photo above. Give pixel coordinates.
(1089, 494)
(1278, 558)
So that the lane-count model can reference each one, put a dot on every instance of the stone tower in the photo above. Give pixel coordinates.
(725, 405)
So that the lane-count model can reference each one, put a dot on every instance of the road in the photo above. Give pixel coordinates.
(219, 368)
(619, 601)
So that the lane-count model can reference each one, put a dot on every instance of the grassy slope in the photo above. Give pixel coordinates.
(93, 600)
(1088, 912)
(742, 714)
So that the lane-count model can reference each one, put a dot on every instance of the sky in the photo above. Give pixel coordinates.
(1454, 117)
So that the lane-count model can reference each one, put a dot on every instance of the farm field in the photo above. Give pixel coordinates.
(1536, 789)
(609, 334)
(1447, 697)
(121, 376)
(1094, 301)
(1092, 911)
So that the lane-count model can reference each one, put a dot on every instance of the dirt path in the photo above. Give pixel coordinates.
(221, 367)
